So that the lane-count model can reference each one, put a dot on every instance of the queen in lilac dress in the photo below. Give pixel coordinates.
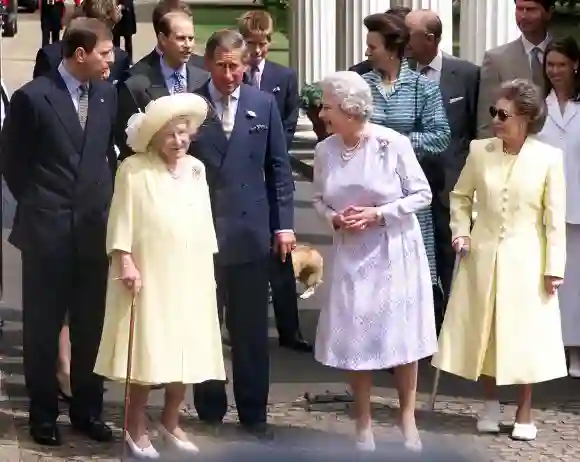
(379, 311)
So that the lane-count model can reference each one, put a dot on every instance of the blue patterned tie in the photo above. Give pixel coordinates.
(179, 85)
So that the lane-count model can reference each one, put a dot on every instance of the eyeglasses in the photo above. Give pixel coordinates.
(501, 114)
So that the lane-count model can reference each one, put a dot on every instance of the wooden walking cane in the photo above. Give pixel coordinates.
(128, 376)
(435, 387)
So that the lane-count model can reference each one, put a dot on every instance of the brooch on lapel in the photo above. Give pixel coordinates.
(383, 146)
(258, 128)
(102, 100)
(196, 172)
(276, 90)
(250, 114)
(489, 147)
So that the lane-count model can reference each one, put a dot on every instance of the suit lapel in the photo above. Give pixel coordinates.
(213, 129)
(196, 77)
(158, 87)
(61, 100)
(96, 104)
(447, 80)
(268, 78)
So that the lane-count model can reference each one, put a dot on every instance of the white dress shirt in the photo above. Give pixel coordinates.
(259, 72)
(529, 46)
(72, 85)
(435, 66)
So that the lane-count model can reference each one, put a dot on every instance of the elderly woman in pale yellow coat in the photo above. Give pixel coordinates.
(161, 240)
(502, 320)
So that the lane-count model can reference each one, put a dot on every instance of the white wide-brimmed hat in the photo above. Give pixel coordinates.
(143, 126)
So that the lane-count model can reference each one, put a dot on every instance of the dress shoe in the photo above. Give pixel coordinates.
(95, 429)
(45, 433)
(171, 440)
(259, 430)
(296, 343)
(140, 453)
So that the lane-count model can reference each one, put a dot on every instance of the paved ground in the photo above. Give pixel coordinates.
(452, 423)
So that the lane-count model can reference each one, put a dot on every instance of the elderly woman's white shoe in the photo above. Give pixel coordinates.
(524, 432)
(365, 440)
(148, 452)
(488, 420)
(172, 440)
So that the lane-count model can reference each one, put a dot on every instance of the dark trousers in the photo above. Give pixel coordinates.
(284, 297)
(243, 289)
(50, 22)
(128, 39)
(444, 254)
(53, 285)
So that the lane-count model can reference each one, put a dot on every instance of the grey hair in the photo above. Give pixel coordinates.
(352, 92)
(227, 39)
(528, 101)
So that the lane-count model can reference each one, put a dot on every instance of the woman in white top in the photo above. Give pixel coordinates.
(562, 130)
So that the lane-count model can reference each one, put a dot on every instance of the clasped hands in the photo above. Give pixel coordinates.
(356, 218)
(462, 244)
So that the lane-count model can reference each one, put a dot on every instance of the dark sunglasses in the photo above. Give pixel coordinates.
(501, 114)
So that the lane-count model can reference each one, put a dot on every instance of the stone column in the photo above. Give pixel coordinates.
(444, 8)
(351, 32)
(312, 39)
(485, 24)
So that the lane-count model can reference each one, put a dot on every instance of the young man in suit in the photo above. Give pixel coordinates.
(168, 73)
(522, 58)
(49, 57)
(458, 81)
(257, 28)
(56, 152)
(161, 9)
(242, 145)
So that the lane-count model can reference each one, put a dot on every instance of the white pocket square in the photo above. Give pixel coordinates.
(454, 100)
(276, 90)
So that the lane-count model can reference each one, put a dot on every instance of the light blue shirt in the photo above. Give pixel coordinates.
(169, 74)
(217, 100)
(72, 85)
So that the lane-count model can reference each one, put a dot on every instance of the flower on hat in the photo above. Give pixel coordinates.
(133, 126)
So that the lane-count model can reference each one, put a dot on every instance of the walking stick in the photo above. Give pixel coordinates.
(128, 376)
(435, 386)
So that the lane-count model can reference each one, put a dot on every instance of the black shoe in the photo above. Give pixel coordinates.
(260, 430)
(95, 429)
(296, 343)
(45, 434)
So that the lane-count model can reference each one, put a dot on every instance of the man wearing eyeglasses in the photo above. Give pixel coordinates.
(459, 84)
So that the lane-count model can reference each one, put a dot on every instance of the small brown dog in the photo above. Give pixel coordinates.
(308, 268)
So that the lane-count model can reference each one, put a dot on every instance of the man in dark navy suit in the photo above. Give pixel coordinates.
(56, 153)
(168, 73)
(243, 147)
(161, 9)
(49, 57)
(257, 27)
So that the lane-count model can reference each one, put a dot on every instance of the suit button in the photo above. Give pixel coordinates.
(244, 185)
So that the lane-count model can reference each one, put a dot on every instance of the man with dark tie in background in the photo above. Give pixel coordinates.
(168, 73)
(257, 28)
(242, 145)
(56, 154)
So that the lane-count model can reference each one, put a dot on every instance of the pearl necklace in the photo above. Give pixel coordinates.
(348, 153)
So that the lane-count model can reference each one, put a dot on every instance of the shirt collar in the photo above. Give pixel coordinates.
(436, 64)
(71, 82)
(529, 46)
(168, 72)
(216, 96)
(260, 66)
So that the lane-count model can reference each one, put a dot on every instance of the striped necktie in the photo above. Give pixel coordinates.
(179, 85)
(83, 111)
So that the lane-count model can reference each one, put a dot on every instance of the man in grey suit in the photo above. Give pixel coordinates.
(523, 58)
(459, 81)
